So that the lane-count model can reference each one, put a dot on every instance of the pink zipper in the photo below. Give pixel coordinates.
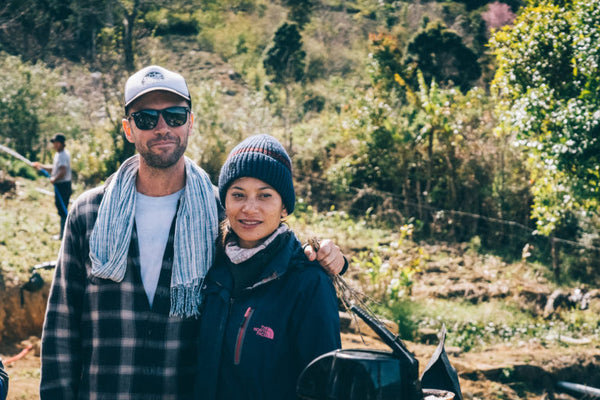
(241, 333)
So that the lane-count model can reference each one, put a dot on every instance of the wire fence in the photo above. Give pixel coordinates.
(513, 239)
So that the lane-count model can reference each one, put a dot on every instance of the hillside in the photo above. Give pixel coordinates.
(416, 180)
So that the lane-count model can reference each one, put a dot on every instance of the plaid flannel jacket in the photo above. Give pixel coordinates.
(101, 339)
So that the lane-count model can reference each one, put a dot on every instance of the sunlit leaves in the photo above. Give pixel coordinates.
(547, 82)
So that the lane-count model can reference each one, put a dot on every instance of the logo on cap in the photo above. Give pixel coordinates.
(152, 76)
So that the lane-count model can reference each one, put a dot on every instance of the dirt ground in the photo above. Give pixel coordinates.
(527, 372)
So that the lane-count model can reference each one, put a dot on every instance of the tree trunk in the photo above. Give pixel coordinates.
(429, 162)
(286, 120)
(128, 26)
(555, 260)
(419, 202)
(405, 192)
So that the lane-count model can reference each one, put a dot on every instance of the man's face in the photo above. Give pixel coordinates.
(58, 146)
(164, 145)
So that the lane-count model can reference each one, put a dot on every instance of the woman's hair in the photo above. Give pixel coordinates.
(225, 234)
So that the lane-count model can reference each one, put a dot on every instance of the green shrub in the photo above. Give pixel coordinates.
(164, 22)
(16, 168)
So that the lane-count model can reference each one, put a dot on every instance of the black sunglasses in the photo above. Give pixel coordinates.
(173, 116)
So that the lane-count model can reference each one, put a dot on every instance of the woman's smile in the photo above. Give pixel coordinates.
(254, 210)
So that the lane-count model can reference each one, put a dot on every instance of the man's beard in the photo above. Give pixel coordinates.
(163, 160)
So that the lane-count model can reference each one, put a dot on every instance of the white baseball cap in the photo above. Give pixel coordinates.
(152, 78)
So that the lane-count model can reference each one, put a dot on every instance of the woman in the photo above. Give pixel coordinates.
(267, 311)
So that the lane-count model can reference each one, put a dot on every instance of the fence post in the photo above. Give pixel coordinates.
(555, 260)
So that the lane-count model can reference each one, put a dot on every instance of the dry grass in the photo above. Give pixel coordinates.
(28, 220)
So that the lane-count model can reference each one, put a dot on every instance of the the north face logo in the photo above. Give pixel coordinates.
(152, 76)
(265, 332)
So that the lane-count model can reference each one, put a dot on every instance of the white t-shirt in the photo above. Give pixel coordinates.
(153, 218)
(61, 159)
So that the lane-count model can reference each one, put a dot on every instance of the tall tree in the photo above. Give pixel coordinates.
(285, 62)
(130, 13)
(441, 55)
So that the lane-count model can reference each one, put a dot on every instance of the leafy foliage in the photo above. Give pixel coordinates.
(547, 80)
(32, 106)
(431, 151)
(391, 126)
(386, 61)
(389, 283)
(164, 22)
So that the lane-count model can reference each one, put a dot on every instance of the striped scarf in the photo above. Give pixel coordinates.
(196, 229)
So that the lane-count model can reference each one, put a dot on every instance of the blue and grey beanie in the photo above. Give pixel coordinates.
(261, 157)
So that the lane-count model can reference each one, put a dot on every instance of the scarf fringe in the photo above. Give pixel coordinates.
(186, 300)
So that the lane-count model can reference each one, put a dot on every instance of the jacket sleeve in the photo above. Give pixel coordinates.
(3, 382)
(61, 339)
(316, 317)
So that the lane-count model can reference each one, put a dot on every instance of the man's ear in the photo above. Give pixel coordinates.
(284, 213)
(127, 130)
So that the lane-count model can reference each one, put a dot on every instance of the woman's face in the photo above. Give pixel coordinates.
(254, 210)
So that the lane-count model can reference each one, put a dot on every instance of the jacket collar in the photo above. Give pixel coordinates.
(238, 255)
(276, 264)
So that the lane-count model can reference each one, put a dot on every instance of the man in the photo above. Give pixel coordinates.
(121, 318)
(60, 176)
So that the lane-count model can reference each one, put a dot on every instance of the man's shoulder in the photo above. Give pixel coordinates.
(300, 268)
(93, 194)
(62, 157)
(88, 201)
(64, 153)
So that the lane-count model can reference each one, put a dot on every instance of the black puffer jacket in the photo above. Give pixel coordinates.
(254, 345)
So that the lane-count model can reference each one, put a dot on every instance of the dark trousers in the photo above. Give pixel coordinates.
(62, 189)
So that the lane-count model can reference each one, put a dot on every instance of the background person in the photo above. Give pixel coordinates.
(267, 311)
(121, 317)
(60, 176)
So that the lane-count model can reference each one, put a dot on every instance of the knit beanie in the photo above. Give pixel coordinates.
(261, 157)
